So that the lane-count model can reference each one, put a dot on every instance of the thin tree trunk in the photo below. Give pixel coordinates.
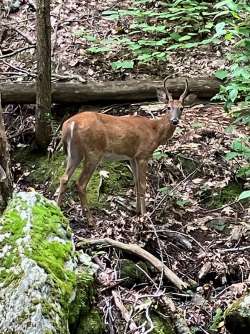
(5, 173)
(43, 96)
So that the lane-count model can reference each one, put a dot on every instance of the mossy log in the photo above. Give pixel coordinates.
(237, 316)
(41, 288)
(112, 91)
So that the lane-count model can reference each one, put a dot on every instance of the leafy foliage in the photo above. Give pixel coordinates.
(241, 149)
(149, 30)
(237, 30)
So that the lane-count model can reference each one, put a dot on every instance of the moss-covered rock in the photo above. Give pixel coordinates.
(162, 326)
(90, 323)
(132, 273)
(237, 316)
(41, 290)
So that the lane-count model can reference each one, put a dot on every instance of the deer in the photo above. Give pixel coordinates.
(91, 136)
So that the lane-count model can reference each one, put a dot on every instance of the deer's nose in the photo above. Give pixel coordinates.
(175, 121)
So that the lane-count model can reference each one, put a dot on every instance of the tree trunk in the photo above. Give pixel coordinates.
(43, 83)
(112, 91)
(5, 174)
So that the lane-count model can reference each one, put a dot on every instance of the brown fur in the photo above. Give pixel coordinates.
(92, 136)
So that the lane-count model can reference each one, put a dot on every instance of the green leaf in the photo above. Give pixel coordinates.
(182, 202)
(233, 94)
(231, 155)
(197, 125)
(221, 74)
(244, 195)
(98, 49)
(219, 28)
(175, 36)
(122, 64)
(144, 57)
(184, 38)
(164, 190)
(157, 155)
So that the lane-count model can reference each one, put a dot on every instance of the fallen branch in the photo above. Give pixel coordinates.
(17, 51)
(125, 314)
(138, 251)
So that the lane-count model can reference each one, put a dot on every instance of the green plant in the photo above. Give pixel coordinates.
(240, 148)
(152, 32)
(237, 31)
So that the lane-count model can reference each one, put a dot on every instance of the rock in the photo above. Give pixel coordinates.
(131, 273)
(237, 316)
(41, 288)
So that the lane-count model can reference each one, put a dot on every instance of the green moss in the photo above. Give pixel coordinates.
(40, 171)
(52, 254)
(188, 165)
(12, 225)
(91, 323)
(131, 274)
(216, 199)
(84, 294)
(161, 326)
(217, 318)
(49, 243)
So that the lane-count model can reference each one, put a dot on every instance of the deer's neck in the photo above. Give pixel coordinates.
(165, 129)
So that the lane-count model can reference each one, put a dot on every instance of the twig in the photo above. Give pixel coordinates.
(125, 314)
(171, 191)
(137, 250)
(149, 321)
(183, 234)
(28, 39)
(55, 75)
(69, 77)
(17, 51)
(220, 208)
(11, 73)
(160, 250)
(236, 249)
(146, 274)
(20, 69)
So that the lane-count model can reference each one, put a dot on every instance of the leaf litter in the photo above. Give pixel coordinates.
(200, 241)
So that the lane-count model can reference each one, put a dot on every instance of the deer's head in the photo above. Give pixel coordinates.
(173, 107)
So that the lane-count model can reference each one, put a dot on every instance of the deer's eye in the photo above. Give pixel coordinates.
(181, 109)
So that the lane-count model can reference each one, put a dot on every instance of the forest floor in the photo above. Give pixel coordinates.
(195, 223)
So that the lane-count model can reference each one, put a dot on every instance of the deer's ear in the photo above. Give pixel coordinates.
(161, 95)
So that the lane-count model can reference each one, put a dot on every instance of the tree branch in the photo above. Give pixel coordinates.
(138, 251)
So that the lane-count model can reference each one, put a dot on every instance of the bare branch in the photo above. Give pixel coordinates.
(17, 51)
(137, 250)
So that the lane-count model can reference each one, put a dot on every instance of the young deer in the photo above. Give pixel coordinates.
(91, 136)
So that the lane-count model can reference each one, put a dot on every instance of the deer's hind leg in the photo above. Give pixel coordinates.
(90, 165)
(73, 160)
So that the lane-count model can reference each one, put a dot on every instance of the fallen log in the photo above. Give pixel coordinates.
(112, 91)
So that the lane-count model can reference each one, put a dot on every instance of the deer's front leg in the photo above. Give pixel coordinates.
(141, 167)
(134, 170)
